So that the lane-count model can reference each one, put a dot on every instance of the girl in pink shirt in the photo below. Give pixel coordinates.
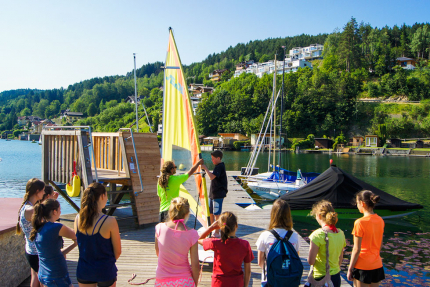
(173, 242)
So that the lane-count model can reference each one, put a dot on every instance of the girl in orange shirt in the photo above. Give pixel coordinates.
(366, 267)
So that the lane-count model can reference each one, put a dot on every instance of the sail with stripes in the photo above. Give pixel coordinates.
(179, 134)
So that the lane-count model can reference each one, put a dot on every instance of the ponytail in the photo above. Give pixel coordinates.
(166, 170)
(42, 213)
(32, 187)
(228, 224)
(89, 206)
(326, 210)
(179, 208)
(368, 197)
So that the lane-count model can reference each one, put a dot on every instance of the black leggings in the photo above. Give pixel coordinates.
(99, 284)
(33, 260)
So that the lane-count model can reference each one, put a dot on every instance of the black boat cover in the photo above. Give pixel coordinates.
(339, 187)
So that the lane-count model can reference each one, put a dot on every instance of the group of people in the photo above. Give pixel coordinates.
(95, 234)
(97, 237)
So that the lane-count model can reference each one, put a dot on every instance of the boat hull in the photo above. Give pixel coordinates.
(271, 190)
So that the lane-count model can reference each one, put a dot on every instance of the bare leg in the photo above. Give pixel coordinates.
(34, 279)
(361, 284)
(87, 285)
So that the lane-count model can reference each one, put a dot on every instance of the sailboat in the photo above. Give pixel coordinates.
(276, 181)
(179, 136)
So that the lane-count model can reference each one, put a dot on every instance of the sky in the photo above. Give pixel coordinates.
(52, 44)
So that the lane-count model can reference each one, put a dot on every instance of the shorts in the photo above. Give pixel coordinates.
(369, 276)
(163, 216)
(62, 282)
(99, 284)
(335, 279)
(175, 282)
(215, 206)
(33, 260)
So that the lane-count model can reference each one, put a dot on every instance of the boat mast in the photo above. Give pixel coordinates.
(282, 110)
(274, 115)
(135, 93)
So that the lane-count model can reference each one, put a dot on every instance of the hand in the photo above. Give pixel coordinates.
(55, 195)
(214, 225)
(349, 276)
(201, 161)
(204, 167)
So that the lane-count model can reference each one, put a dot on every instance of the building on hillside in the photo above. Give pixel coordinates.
(371, 140)
(309, 53)
(215, 141)
(72, 116)
(260, 69)
(406, 63)
(215, 76)
(419, 144)
(131, 99)
(324, 143)
(22, 121)
(5, 134)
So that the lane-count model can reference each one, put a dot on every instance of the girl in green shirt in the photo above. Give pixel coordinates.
(327, 218)
(168, 185)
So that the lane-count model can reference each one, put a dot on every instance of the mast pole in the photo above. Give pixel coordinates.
(282, 110)
(274, 115)
(135, 94)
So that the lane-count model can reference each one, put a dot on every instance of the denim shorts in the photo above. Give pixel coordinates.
(215, 206)
(58, 282)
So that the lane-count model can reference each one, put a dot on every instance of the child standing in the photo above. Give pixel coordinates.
(366, 267)
(230, 252)
(50, 193)
(34, 191)
(327, 218)
(168, 185)
(46, 236)
(281, 222)
(98, 238)
(218, 188)
(173, 242)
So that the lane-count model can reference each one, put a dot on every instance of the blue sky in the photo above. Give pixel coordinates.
(51, 44)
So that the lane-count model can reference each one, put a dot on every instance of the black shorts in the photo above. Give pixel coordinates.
(163, 216)
(99, 284)
(369, 276)
(33, 260)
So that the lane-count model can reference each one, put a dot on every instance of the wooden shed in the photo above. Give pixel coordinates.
(357, 141)
(419, 144)
(395, 142)
(323, 143)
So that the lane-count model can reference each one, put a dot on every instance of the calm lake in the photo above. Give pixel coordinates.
(406, 250)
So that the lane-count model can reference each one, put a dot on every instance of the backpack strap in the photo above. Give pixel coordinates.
(288, 235)
(286, 238)
(273, 231)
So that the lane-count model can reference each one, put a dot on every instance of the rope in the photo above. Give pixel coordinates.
(147, 280)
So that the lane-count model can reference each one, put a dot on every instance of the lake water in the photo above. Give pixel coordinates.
(406, 250)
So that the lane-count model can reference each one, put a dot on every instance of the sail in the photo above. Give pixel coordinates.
(180, 138)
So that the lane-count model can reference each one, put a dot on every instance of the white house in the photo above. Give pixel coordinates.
(266, 139)
(311, 52)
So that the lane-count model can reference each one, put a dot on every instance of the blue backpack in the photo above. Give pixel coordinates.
(284, 267)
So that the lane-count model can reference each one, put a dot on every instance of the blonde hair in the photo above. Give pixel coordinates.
(326, 210)
(280, 216)
(166, 169)
(179, 208)
(228, 224)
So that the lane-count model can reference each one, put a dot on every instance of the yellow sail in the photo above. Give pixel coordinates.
(180, 138)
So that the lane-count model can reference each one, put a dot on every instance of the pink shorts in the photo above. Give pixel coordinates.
(175, 282)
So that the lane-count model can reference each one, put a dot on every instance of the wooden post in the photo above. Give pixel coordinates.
(84, 156)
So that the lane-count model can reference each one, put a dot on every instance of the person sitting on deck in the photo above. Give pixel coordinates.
(173, 242)
(168, 185)
(327, 218)
(34, 191)
(229, 253)
(47, 235)
(281, 222)
(99, 241)
(365, 267)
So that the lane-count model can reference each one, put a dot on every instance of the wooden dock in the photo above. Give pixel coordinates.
(138, 253)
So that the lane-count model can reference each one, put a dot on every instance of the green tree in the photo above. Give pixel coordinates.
(92, 110)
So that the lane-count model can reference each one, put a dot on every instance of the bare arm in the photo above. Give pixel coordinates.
(210, 174)
(247, 275)
(195, 266)
(261, 258)
(208, 231)
(313, 251)
(28, 213)
(115, 237)
(68, 233)
(341, 257)
(194, 168)
(354, 255)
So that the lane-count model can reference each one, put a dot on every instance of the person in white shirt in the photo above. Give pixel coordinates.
(281, 221)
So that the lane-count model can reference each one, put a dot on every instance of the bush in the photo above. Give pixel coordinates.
(309, 142)
(238, 144)
(340, 139)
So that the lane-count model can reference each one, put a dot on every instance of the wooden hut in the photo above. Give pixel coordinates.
(357, 141)
(371, 140)
(419, 144)
(395, 142)
(323, 143)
